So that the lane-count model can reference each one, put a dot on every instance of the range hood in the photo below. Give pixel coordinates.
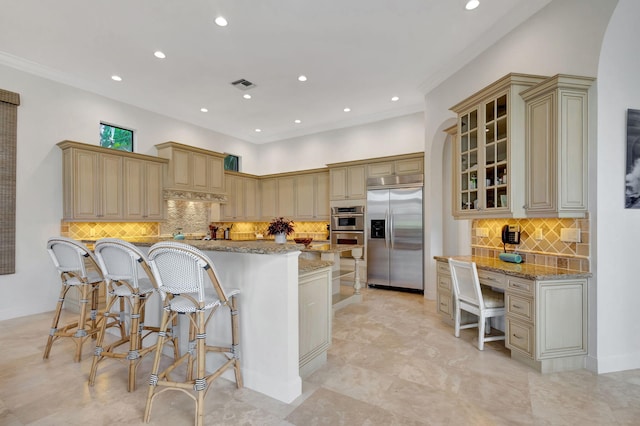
(176, 194)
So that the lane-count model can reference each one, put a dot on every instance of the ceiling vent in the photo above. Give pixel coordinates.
(243, 84)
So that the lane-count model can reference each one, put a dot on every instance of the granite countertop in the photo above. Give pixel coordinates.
(522, 270)
(331, 248)
(255, 246)
(308, 265)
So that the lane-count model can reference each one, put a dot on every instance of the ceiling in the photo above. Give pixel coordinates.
(355, 53)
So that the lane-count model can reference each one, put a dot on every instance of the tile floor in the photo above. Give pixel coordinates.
(393, 362)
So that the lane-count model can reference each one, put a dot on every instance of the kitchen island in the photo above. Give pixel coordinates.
(266, 274)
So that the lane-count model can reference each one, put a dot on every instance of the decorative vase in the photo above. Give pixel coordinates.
(281, 238)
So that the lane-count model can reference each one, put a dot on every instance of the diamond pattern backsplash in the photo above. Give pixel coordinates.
(95, 230)
(548, 251)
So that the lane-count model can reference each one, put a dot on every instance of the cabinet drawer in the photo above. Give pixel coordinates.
(445, 304)
(493, 279)
(443, 268)
(522, 286)
(520, 337)
(444, 283)
(520, 306)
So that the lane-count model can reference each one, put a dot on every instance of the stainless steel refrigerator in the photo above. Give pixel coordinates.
(394, 234)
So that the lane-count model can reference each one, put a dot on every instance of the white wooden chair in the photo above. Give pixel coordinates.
(189, 286)
(130, 283)
(471, 297)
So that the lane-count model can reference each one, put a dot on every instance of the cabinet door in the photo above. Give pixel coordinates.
(380, 169)
(134, 188)
(199, 164)
(561, 323)
(540, 155)
(286, 197)
(305, 196)
(314, 315)
(495, 155)
(111, 187)
(215, 173)
(268, 201)
(154, 201)
(229, 209)
(409, 166)
(323, 208)
(85, 186)
(251, 199)
(356, 183)
(181, 168)
(338, 177)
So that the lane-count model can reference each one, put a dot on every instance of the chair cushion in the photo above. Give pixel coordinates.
(144, 287)
(492, 299)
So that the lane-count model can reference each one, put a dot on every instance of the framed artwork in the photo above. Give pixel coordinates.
(115, 137)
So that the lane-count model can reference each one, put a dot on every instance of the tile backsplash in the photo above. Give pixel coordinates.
(549, 250)
(95, 230)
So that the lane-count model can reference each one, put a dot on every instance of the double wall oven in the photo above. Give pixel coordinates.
(347, 225)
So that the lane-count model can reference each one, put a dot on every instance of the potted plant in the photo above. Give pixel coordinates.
(280, 227)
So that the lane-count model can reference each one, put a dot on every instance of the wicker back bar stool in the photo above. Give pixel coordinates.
(189, 286)
(130, 283)
(79, 270)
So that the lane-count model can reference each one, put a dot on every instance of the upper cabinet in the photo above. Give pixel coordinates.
(489, 152)
(348, 183)
(405, 166)
(297, 196)
(242, 197)
(101, 184)
(556, 147)
(193, 169)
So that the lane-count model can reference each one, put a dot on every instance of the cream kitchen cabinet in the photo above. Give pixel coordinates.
(556, 147)
(489, 153)
(268, 198)
(546, 322)
(192, 169)
(242, 197)
(96, 187)
(444, 296)
(411, 165)
(286, 196)
(348, 183)
(143, 190)
(312, 196)
(314, 318)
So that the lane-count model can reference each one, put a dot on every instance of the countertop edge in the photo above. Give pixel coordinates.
(252, 247)
(519, 270)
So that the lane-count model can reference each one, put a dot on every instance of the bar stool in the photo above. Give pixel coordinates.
(130, 283)
(189, 285)
(78, 270)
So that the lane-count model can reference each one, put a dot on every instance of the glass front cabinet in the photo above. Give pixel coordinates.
(489, 150)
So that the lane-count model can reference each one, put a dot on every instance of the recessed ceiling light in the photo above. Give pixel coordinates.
(347, 109)
(246, 96)
(302, 78)
(395, 99)
(221, 21)
(472, 4)
(204, 110)
(116, 78)
(158, 54)
(258, 130)
(297, 121)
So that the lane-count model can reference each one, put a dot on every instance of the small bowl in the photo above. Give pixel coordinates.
(305, 241)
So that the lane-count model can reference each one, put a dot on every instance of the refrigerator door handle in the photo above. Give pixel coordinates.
(386, 231)
(391, 227)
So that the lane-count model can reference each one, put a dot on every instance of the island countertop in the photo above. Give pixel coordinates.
(331, 248)
(527, 271)
(253, 246)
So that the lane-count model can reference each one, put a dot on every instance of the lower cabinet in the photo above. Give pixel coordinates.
(546, 322)
(445, 300)
(314, 318)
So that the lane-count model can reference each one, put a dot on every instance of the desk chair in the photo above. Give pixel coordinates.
(130, 283)
(189, 285)
(471, 297)
(79, 270)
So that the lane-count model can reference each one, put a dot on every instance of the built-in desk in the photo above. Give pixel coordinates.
(331, 253)
(546, 309)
